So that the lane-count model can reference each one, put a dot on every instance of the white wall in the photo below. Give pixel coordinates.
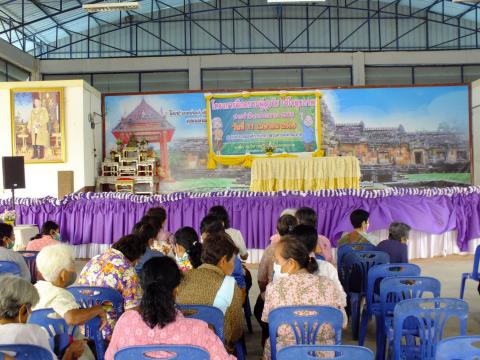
(80, 100)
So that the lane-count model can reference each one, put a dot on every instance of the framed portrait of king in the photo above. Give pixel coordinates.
(38, 124)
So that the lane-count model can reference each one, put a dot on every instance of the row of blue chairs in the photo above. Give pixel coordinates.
(186, 352)
(447, 349)
(393, 295)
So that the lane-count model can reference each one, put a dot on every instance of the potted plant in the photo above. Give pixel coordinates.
(119, 144)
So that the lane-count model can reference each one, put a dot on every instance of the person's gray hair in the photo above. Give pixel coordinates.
(15, 292)
(52, 259)
(398, 230)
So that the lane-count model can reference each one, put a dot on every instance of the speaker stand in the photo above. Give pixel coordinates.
(13, 199)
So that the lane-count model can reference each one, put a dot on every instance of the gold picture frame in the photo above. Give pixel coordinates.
(38, 124)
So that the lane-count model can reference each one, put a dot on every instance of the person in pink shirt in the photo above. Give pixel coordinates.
(308, 216)
(157, 322)
(49, 235)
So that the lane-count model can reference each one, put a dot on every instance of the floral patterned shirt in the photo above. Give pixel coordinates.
(112, 269)
(184, 262)
(301, 289)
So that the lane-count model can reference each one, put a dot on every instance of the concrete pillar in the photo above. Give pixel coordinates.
(358, 68)
(194, 73)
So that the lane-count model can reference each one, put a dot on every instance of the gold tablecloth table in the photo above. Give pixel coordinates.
(305, 174)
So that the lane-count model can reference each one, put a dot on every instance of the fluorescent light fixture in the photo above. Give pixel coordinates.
(118, 6)
(292, 1)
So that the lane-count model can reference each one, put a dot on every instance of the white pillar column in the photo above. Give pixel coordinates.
(358, 68)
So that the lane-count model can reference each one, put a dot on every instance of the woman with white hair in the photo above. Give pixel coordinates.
(56, 263)
(17, 297)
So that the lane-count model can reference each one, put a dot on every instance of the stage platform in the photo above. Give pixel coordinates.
(445, 220)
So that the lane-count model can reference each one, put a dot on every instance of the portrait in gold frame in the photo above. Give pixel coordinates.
(38, 124)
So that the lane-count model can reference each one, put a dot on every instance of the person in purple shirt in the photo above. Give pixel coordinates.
(396, 244)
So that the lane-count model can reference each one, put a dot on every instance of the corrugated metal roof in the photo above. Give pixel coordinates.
(65, 19)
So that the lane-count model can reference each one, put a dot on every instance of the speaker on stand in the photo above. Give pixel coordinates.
(13, 168)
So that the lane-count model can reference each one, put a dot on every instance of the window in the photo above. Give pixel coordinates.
(388, 75)
(438, 75)
(226, 79)
(10, 72)
(164, 81)
(3, 70)
(277, 78)
(328, 76)
(17, 74)
(116, 83)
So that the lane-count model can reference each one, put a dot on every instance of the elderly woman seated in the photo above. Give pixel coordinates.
(212, 284)
(17, 296)
(157, 321)
(56, 263)
(299, 284)
(396, 244)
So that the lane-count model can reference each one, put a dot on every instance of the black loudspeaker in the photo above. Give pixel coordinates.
(13, 172)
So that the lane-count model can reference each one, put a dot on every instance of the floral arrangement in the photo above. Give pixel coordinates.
(119, 144)
(269, 148)
(8, 217)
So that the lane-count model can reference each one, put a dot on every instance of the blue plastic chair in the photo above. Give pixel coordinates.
(448, 349)
(210, 314)
(31, 258)
(26, 352)
(305, 322)
(56, 326)
(10, 267)
(89, 296)
(342, 352)
(372, 298)
(474, 275)
(357, 264)
(214, 317)
(394, 290)
(430, 317)
(345, 249)
(179, 352)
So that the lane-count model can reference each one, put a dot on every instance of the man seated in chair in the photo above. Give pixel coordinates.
(359, 220)
(56, 263)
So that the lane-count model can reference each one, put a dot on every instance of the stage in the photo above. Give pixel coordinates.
(444, 220)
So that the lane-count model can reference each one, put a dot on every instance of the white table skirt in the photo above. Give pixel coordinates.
(420, 246)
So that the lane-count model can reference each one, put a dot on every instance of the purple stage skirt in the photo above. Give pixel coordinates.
(102, 218)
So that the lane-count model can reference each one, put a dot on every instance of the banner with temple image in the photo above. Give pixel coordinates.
(242, 126)
(403, 136)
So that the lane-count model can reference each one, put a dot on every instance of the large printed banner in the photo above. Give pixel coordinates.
(405, 136)
(281, 122)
